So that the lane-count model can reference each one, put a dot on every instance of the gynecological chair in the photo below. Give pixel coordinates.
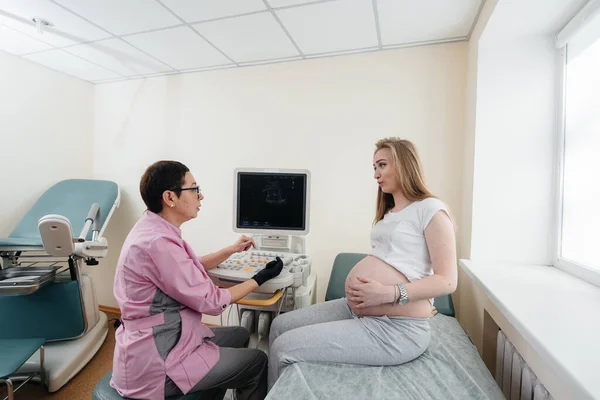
(51, 326)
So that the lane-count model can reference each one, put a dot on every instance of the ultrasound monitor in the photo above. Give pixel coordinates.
(271, 201)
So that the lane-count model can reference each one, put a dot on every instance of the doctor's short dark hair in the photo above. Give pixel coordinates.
(161, 176)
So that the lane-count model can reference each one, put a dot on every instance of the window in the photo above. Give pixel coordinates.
(579, 216)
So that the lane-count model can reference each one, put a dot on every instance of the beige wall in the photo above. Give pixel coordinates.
(468, 299)
(509, 170)
(323, 115)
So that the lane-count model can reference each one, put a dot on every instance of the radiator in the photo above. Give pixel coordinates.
(513, 375)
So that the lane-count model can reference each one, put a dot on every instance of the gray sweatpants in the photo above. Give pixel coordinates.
(331, 332)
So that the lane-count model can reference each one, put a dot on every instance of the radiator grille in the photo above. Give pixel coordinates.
(513, 375)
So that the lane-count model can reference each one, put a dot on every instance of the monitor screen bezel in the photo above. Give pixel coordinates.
(272, 232)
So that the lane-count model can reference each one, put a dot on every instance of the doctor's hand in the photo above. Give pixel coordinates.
(242, 244)
(363, 293)
(272, 269)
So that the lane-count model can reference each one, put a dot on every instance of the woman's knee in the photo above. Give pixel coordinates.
(280, 346)
(280, 325)
(259, 365)
(241, 335)
(274, 348)
(260, 360)
(263, 359)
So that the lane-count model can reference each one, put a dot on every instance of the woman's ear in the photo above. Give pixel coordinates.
(167, 198)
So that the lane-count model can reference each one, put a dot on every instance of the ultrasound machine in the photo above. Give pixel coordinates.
(272, 206)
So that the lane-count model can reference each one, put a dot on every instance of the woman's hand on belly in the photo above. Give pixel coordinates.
(367, 297)
(376, 311)
(376, 291)
(364, 293)
(352, 305)
(417, 309)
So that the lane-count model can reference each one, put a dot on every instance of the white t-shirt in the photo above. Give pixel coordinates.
(399, 238)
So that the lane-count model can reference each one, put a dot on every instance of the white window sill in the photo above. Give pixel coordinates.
(557, 314)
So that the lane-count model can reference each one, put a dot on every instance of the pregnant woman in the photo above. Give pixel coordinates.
(384, 319)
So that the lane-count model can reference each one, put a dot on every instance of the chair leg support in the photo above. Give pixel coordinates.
(42, 371)
(9, 387)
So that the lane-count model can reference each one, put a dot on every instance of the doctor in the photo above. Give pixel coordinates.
(162, 348)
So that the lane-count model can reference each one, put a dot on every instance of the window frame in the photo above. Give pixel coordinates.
(581, 271)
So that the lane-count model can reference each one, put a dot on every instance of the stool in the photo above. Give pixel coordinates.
(13, 354)
(103, 391)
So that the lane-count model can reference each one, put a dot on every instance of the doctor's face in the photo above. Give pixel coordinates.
(187, 204)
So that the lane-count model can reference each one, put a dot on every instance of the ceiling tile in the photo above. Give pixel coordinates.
(123, 17)
(194, 10)
(161, 74)
(118, 56)
(332, 26)
(283, 3)
(110, 80)
(249, 38)
(272, 61)
(157, 42)
(18, 43)
(180, 48)
(216, 67)
(408, 21)
(345, 52)
(62, 61)
(68, 29)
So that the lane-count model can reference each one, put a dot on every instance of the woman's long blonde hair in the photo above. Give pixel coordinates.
(409, 172)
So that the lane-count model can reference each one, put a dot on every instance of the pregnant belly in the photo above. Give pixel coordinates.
(378, 270)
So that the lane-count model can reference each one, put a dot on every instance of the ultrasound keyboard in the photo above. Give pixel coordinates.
(242, 266)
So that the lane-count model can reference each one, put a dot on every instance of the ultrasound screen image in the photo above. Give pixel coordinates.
(271, 201)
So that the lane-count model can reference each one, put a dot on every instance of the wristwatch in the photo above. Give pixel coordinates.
(403, 298)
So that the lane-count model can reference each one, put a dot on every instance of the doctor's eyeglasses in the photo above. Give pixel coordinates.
(196, 188)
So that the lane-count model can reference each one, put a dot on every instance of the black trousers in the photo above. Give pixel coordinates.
(239, 368)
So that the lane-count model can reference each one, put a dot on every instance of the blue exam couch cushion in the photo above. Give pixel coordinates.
(71, 198)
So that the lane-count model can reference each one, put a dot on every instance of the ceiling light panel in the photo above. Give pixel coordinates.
(180, 48)
(118, 56)
(62, 61)
(194, 10)
(123, 17)
(408, 21)
(249, 38)
(68, 29)
(331, 26)
(18, 43)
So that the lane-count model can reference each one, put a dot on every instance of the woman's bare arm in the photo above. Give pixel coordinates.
(441, 243)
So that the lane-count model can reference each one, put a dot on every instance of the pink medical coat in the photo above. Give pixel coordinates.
(162, 290)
